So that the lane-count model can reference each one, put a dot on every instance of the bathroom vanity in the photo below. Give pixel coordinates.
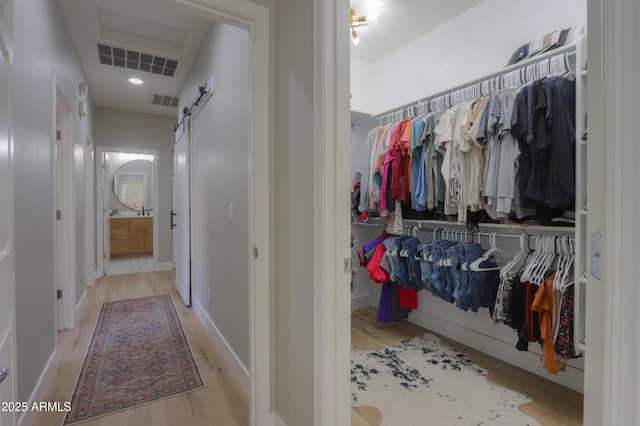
(131, 237)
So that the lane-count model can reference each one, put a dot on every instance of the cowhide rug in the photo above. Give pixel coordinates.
(424, 382)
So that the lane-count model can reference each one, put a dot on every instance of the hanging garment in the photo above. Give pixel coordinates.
(543, 303)
(408, 298)
(376, 272)
(564, 343)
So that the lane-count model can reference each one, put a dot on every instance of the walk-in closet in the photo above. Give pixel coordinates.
(469, 212)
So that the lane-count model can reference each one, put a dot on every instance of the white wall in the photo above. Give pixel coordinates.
(361, 87)
(220, 177)
(42, 48)
(477, 42)
(140, 131)
(294, 210)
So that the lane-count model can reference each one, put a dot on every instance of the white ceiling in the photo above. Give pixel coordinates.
(158, 27)
(154, 27)
(399, 22)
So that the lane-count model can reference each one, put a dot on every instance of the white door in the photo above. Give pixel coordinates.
(181, 208)
(7, 268)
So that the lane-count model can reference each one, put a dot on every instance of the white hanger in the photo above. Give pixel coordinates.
(561, 264)
(475, 265)
(563, 279)
(541, 261)
(539, 276)
(533, 261)
(524, 250)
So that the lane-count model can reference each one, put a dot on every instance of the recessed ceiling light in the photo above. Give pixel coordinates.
(134, 80)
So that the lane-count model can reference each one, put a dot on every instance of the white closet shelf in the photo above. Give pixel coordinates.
(374, 222)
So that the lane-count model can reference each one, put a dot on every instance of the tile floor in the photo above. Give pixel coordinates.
(130, 266)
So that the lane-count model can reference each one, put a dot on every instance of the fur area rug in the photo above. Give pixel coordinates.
(424, 382)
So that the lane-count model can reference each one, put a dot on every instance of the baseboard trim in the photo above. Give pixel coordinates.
(164, 266)
(97, 274)
(572, 378)
(81, 305)
(233, 362)
(39, 391)
(278, 420)
(359, 302)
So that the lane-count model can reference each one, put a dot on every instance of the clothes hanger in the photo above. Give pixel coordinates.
(533, 260)
(565, 282)
(561, 262)
(537, 260)
(475, 265)
(542, 261)
(539, 276)
(524, 251)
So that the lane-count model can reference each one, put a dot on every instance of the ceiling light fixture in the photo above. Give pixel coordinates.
(134, 80)
(356, 22)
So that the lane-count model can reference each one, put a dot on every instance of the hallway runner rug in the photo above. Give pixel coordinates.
(138, 354)
(424, 382)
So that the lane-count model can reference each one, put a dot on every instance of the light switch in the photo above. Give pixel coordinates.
(231, 212)
(596, 255)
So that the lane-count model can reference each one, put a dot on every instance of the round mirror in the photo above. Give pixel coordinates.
(132, 184)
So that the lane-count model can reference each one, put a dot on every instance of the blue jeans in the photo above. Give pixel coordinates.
(441, 278)
(483, 285)
(426, 267)
(413, 264)
(400, 263)
(390, 244)
(456, 254)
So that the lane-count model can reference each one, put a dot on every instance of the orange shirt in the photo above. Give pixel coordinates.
(543, 303)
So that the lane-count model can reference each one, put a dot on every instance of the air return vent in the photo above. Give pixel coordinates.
(130, 59)
(170, 101)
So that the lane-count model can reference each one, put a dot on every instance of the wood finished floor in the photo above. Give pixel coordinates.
(221, 403)
(552, 404)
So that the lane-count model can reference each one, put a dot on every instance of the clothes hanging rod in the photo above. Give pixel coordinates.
(483, 233)
(512, 228)
(570, 49)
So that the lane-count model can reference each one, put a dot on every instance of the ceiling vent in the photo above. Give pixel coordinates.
(130, 59)
(170, 101)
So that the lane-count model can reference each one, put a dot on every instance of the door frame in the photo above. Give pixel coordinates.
(8, 336)
(332, 265)
(255, 18)
(90, 219)
(612, 371)
(64, 200)
(100, 208)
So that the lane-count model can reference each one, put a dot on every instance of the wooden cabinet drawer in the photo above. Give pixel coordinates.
(119, 223)
(147, 221)
(119, 233)
(119, 246)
